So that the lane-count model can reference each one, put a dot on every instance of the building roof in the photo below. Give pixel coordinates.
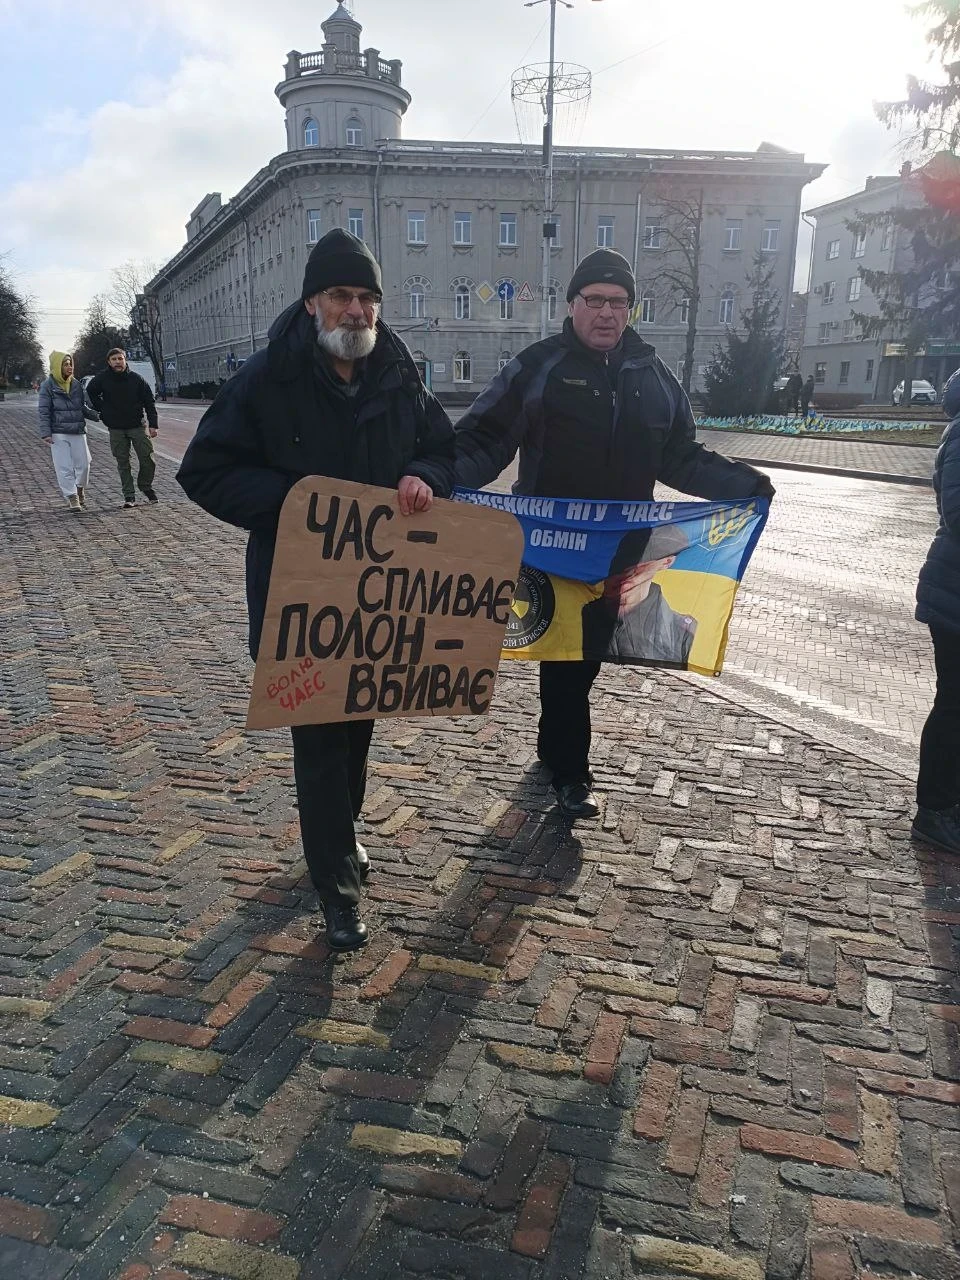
(871, 188)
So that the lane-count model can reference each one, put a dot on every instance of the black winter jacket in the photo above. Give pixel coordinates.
(938, 591)
(593, 425)
(277, 421)
(121, 399)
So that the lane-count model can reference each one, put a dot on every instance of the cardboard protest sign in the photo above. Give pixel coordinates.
(371, 613)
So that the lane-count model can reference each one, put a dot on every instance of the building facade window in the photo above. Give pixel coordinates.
(418, 302)
(355, 223)
(462, 371)
(653, 234)
(854, 285)
(681, 366)
(833, 250)
(770, 239)
(605, 230)
(868, 376)
(829, 292)
(461, 300)
(886, 238)
(503, 359)
(859, 244)
(820, 371)
(508, 230)
(849, 328)
(823, 332)
(731, 234)
(311, 133)
(313, 226)
(727, 306)
(684, 310)
(462, 228)
(555, 238)
(844, 371)
(648, 308)
(420, 360)
(417, 226)
(553, 299)
(354, 132)
(507, 293)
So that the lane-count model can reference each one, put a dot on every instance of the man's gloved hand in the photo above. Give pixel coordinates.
(764, 488)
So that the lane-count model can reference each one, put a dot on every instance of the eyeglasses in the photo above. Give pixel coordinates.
(343, 298)
(596, 302)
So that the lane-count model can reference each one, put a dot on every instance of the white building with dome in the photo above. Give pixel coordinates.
(457, 228)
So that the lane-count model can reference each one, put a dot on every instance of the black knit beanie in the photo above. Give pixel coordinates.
(603, 266)
(340, 259)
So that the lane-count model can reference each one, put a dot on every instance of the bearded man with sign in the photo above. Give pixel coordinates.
(595, 414)
(335, 393)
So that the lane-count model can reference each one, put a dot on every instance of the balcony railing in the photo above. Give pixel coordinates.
(333, 61)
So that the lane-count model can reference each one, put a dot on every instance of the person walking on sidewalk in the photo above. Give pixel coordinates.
(335, 393)
(595, 414)
(806, 395)
(123, 399)
(62, 409)
(937, 820)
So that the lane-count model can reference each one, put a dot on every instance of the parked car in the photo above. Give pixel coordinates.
(921, 392)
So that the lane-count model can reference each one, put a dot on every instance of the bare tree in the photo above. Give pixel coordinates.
(20, 358)
(678, 282)
(96, 337)
(137, 310)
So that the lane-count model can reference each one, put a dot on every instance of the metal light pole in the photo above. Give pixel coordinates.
(549, 226)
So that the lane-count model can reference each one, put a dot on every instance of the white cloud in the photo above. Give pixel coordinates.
(123, 176)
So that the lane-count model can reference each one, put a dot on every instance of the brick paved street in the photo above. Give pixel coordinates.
(716, 1034)
(915, 461)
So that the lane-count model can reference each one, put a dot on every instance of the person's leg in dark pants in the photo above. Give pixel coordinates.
(146, 460)
(330, 768)
(563, 738)
(938, 777)
(120, 448)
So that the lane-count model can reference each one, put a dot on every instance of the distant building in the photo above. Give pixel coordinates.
(796, 324)
(845, 365)
(457, 227)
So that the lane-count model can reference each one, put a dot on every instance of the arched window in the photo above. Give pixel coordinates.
(503, 359)
(461, 289)
(416, 288)
(507, 293)
(727, 305)
(354, 132)
(311, 133)
(461, 367)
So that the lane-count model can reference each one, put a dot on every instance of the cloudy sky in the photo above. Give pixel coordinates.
(120, 117)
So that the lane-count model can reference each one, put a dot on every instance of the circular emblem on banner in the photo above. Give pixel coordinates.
(532, 609)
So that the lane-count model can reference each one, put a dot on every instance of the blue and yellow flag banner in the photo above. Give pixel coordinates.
(647, 583)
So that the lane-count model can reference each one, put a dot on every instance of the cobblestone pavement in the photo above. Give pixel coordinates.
(912, 461)
(714, 1034)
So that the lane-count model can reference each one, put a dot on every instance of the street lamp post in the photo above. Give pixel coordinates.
(549, 225)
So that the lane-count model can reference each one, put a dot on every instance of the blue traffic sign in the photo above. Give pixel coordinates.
(506, 289)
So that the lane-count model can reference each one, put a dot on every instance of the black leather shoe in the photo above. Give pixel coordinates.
(939, 828)
(576, 800)
(363, 858)
(345, 930)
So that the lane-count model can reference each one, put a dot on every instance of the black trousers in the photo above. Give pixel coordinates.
(938, 780)
(330, 768)
(563, 740)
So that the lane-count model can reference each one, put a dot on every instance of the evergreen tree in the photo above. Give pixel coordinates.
(921, 300)
(739, 378)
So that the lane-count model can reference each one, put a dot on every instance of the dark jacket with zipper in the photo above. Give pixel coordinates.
(286, 415)
(590, 424)
(938, 591)
(121, 399)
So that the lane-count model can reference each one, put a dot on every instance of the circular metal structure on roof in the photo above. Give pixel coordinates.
(571, 83)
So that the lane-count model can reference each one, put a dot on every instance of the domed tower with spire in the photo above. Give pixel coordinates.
(341, 96)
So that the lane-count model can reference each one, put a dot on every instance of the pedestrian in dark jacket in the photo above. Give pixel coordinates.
(791, 393)
(123, 399)
(806, 394)
(337, 394)
(938, 605)
(62, 410)
(594, 414)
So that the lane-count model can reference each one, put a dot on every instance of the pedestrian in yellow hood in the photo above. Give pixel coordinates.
(61, 369)
(62, 408)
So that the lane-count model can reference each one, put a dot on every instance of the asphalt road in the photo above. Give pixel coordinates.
(823, 636)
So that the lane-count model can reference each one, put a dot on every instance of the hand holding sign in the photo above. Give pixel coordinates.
(370, 615)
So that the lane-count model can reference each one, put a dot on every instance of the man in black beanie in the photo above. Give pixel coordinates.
(334, 393)
(595, 414)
